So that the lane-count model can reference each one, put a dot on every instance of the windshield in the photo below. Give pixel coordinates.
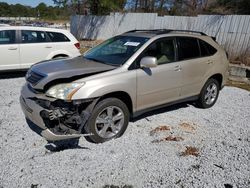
(116, 51)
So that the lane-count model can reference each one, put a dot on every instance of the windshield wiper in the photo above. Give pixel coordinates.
(99, 61)
(93, 59)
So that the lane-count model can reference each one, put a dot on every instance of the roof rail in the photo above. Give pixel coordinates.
(188, 31)
(165, 31)
(147, 30)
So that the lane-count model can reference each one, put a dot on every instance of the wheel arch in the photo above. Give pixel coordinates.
(218, 77)
(60, 55)
(121, 95)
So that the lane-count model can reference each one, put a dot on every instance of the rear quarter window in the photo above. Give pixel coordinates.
(188, 48)
(57, 37)
(7, 37)
(206, 49)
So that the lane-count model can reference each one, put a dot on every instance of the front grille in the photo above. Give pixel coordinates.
(34, 77)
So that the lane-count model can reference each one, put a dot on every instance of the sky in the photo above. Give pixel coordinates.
(32, 3)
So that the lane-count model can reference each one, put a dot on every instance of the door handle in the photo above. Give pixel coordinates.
(177, 68)
(12, 48)
(210, 62)
(48, 47)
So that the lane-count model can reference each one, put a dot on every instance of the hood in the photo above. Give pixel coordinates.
(63, 71)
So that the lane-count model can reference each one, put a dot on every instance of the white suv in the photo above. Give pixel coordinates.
(22, 46)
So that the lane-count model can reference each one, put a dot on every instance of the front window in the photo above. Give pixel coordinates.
(7, 37)
(116, 51)
(163, 50)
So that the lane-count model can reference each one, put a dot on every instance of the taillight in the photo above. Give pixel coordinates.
(78, 45)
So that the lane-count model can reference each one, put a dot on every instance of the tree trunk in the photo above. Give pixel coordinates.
(141, 2)
(95, 8)
(152, 5)
(161, 6)
(136, 5)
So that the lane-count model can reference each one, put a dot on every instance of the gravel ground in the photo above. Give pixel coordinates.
(179, 146)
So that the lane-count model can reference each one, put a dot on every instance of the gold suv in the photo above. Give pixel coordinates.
(96, 94)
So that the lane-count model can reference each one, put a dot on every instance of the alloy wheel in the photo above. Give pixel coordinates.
(211, 93)
(109, 122)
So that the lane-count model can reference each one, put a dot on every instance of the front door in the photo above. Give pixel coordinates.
(9, 50)
(161, 84)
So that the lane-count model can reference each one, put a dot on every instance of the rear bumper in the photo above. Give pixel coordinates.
(32, 111)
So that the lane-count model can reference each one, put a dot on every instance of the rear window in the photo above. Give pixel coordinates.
(7, 37)
(188, 48)
(29, 36)
(206, 49)
(57, 37)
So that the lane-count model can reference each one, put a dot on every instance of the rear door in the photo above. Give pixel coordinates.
(161, 84)
(9, 50)
(34, 47)
(61, 44)
(194, 66)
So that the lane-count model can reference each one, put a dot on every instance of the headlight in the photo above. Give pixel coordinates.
(64, 91)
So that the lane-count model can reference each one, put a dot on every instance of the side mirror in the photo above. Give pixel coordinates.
(148, 62)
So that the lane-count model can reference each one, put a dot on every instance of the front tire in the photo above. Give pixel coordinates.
(209, 94)
(108, 120)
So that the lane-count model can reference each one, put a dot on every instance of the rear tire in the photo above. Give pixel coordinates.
(109, 120)
(60, 57)
(209, 94)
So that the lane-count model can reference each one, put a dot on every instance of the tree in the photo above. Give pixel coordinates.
(42, 10)
(4, 9)
(97, 7)
(236, 6)
(19, 10)
(62, 3)
(27, 11)
(100, 7)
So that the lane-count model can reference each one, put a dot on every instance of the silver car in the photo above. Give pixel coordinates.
(96, 94)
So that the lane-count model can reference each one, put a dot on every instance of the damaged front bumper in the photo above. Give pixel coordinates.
(48, 120)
